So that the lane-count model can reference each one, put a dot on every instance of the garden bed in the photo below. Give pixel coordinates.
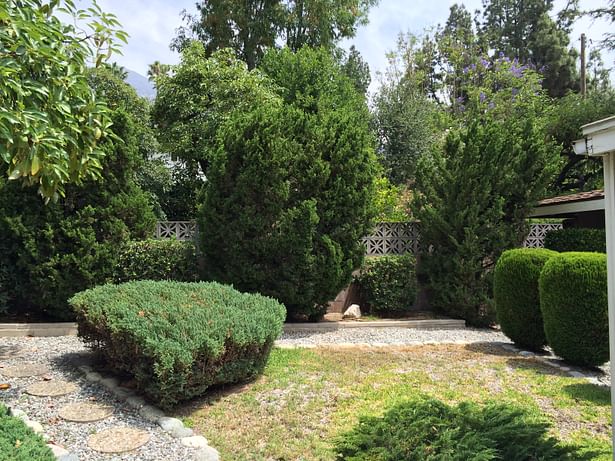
(307, 397)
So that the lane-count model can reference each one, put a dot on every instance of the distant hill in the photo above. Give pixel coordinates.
(140, 83)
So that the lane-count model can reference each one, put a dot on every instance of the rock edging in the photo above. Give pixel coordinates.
(172, 426)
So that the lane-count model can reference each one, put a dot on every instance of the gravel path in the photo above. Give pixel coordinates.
(390, 336)
(58, 353)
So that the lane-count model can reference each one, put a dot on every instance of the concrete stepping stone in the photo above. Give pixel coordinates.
(53, 388)
(85, 412)
(118, 440)
(24, 370)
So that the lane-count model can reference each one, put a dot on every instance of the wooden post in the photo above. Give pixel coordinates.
(583, 67)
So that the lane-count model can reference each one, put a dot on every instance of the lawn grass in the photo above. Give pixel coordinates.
(307, 397)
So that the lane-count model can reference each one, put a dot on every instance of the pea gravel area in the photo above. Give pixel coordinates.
(61, 355)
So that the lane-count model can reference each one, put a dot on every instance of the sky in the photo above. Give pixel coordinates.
(152, 24)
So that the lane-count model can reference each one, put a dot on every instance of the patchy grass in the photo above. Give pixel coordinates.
(306, 397)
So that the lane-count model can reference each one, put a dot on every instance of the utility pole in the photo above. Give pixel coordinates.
(583, 66)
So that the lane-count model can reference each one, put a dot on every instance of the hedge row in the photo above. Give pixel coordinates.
(157, 259)
(576, 239)
(18, 442)
(388, 284)
(543, 297)
(178, 339)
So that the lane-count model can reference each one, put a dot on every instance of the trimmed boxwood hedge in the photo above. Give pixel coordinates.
(177, 339)
(31, 446)
(573, 300)
(157, 259)
(517, 300)
(576, 239)
(388, 284)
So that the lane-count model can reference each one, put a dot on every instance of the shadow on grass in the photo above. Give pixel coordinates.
(519, 363)
(599, 395)
(491, 348)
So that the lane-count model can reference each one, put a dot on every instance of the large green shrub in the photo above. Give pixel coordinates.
(573, 300)
(388, 284)
(576, 239)
(429, 430)
(178, 339)
(55, 250)
(289, 193)
(517, 301)
(18, 442)
(474, 195)
(163, 259)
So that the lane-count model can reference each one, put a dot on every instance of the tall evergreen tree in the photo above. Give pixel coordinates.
(251, 26)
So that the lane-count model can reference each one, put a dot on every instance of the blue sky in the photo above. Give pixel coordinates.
(152, 24)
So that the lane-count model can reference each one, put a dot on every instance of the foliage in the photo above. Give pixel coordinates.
(251, 27)
(156, 69)
(573, 300)
(178, 339)
(528, 33)
(390, 201)
(20, 443)
(517, 301)
(163, 259)
(607, 12)
(429, 430)
(472, 197)
(573, 111)
(357, 70)
(388, 284)
(199, 97)
(576, 239)
(50, 120)
(290, 190)
(404, 117)
(58, 249)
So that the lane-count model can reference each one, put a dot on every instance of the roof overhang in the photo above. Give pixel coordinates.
(598, 138)
(562, 210)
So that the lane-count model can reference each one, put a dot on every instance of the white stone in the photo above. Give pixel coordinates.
(58, 450)
(181, 432)
(85, 368)
(19, 414)
(527, 354)
(195, 441)
(135, 401)
(576, 374)
(36, 427)
(69, 457)
(93, 377)
(353, 312)
(151, 413)
(168, 424)
(207, 454)
(121, 393)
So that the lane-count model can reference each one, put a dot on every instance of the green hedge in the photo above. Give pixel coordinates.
(576, 239)
(429, 430)
(177, 339)
(163, 259)
(517, 300)
(388, 284)
(573, 300)
(31, 446)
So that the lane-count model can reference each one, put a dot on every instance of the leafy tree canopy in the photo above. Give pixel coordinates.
(250, 27)
(50, 120)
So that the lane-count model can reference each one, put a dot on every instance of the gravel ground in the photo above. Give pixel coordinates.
(58, 353)
(394, 336)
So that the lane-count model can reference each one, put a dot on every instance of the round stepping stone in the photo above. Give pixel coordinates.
(85, 412)
(53, 388)
(25, 370)
(118, 440)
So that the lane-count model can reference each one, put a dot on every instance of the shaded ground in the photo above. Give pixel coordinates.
(309, 396)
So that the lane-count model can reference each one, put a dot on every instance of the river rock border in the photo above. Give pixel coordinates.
(173, 426)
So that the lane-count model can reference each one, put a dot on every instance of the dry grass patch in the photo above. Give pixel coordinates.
(309, 396)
